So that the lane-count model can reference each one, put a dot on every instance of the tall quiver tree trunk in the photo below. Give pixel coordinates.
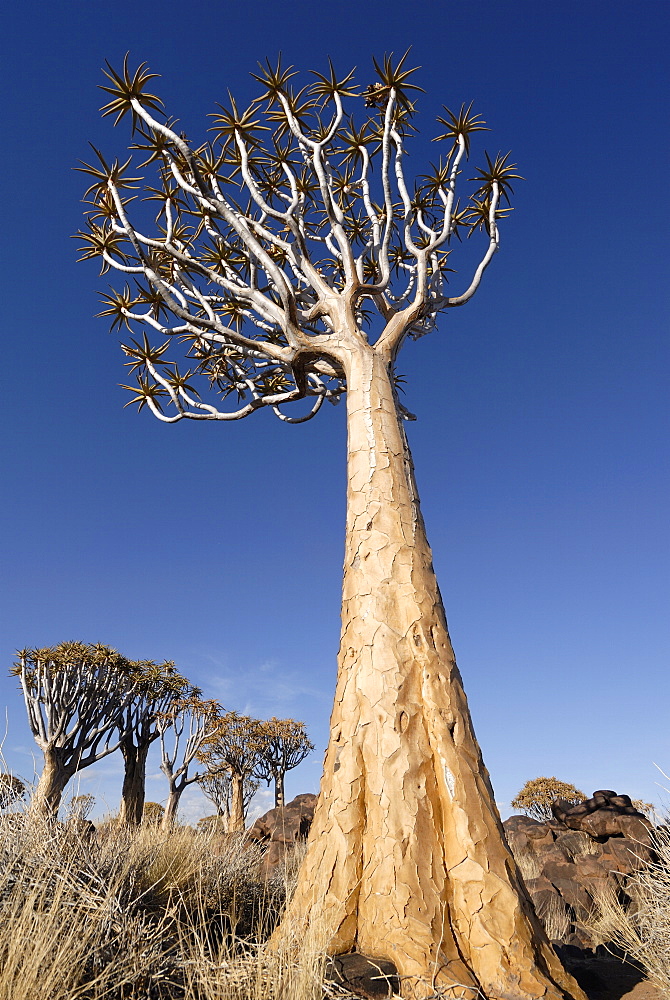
(134, 781)
(407, 858)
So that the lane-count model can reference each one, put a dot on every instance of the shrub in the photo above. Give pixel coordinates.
(537, 795)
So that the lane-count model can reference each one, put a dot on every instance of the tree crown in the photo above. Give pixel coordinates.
(75, 695)
(292, 228)
(537, 795)
(284, 745)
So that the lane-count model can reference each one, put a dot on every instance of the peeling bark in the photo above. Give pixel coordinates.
(406, 857)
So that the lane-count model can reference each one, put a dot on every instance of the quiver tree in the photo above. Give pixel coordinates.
(293, 257)
(217, 786)
(537, 795)
(285, 745)
(158, 685)
(235, 746)
(152, 813)
(75, 695)
(80, 807)
(183, 729)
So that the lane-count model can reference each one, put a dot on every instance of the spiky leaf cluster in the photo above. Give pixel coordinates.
(244, 244)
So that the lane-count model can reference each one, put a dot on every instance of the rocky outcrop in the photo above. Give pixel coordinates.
(604, 815)
(586, 850)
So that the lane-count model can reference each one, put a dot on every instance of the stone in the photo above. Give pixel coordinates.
(606, 814)
(523, 833)
(363, 976)
(575, 895)
(572, 843)
(562, 869)
(286, 824)
(611, 823)
(282, 828)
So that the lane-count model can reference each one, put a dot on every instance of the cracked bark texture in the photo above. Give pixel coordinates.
(406, 857)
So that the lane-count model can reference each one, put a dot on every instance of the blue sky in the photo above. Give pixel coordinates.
(540, 446)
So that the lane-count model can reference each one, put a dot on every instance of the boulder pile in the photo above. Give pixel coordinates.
(586, 850)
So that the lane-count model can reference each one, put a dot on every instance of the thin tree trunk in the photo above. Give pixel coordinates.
(171, 806)
(46, 798)
(279, 789)
(134, 782)
(236, 818)
(407, 858)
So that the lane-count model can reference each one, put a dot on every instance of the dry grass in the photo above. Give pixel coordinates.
(527, 863)
(576, 843)
(641, 927)
(140, 914)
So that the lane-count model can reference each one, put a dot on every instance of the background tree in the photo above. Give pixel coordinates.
(158, 685)
(152, 813)
(293, 257)
(235, 746)
(217, 786)
(80, 807)
(647, 809)
(537, 795)
(285, 744)
(12, 790)
(75, 695)
(183, 729)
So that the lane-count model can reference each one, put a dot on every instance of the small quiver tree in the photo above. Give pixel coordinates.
(158, 686)
(80, 808)
(12, 790)
(152, 813)
(216, 786)
(236, 746)
(537, 795)
(183, 729)
(75, 695)
(293, 257)
(285, 745)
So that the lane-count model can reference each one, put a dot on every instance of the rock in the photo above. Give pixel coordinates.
(283, 827)
(606, 814)
(575, 895)
(286, 824)
(629, 854)
(364, 976)
(522, 833)
(572, 843)
(611, 823)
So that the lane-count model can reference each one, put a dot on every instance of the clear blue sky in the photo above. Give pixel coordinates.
(541, 443)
